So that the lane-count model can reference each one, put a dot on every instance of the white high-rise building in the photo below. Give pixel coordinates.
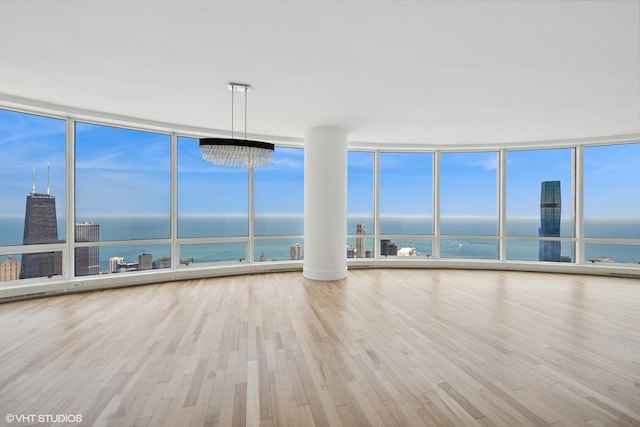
(361, 241)
(87, 259)
(296, 251)
(114, 262)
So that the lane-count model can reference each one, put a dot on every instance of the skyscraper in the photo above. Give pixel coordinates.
(163, 262)
(361, 241)
(9, 269)
(392, 249)
(351, 251)
(40, 226)
(295, 251)
(87, 258)
(145, 262)
(550, 211)
(114, 262)
(387, 247)
(383, 246)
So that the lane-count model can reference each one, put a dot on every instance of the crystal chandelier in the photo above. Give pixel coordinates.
(237, 152)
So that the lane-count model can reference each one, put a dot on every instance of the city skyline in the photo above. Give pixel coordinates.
(41, 227)
(124, 173)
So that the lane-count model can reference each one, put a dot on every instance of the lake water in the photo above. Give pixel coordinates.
(135, 228)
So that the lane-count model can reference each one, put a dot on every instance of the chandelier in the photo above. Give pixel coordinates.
(237, 152)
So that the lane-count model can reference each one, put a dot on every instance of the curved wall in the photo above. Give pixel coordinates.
(78, 124)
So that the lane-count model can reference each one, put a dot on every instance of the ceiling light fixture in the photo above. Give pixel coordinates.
(237, 152)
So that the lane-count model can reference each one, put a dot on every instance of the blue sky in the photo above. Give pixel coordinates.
(604, 196)
(28, 142)
(121, 171)
(360, 183)
(527, 169)
(468, 183)
(406, 183)
(127, 172)
(204, 188)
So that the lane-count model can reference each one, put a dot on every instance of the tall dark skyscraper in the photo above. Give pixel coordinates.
(387, 247)
(383, 246)
(87, 258)
(550, 211)
(40, 226)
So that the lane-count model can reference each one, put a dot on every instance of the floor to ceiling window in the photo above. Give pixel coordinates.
(567, 204)
(611, 204)
(279, 207)
(33, 195)
(122, 196)
(213, 203)
(360, 226)
(406, 203)
(469, 205)
(540, 194)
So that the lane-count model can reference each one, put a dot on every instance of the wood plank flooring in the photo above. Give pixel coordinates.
(382, 347)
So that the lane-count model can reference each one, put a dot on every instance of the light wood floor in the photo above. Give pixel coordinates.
(383, 347)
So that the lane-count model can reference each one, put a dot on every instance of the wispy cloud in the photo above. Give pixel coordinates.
(153, 156)
(612, 159)
(483, 160)
(361, 160)
(605, 168)
(19, 127)
(490, 162)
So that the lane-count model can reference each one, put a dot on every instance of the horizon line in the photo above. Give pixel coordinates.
(288, 215)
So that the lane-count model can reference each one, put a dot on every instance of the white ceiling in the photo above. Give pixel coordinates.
(408, 72)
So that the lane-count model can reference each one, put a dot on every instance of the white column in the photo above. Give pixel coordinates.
(325, 204)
